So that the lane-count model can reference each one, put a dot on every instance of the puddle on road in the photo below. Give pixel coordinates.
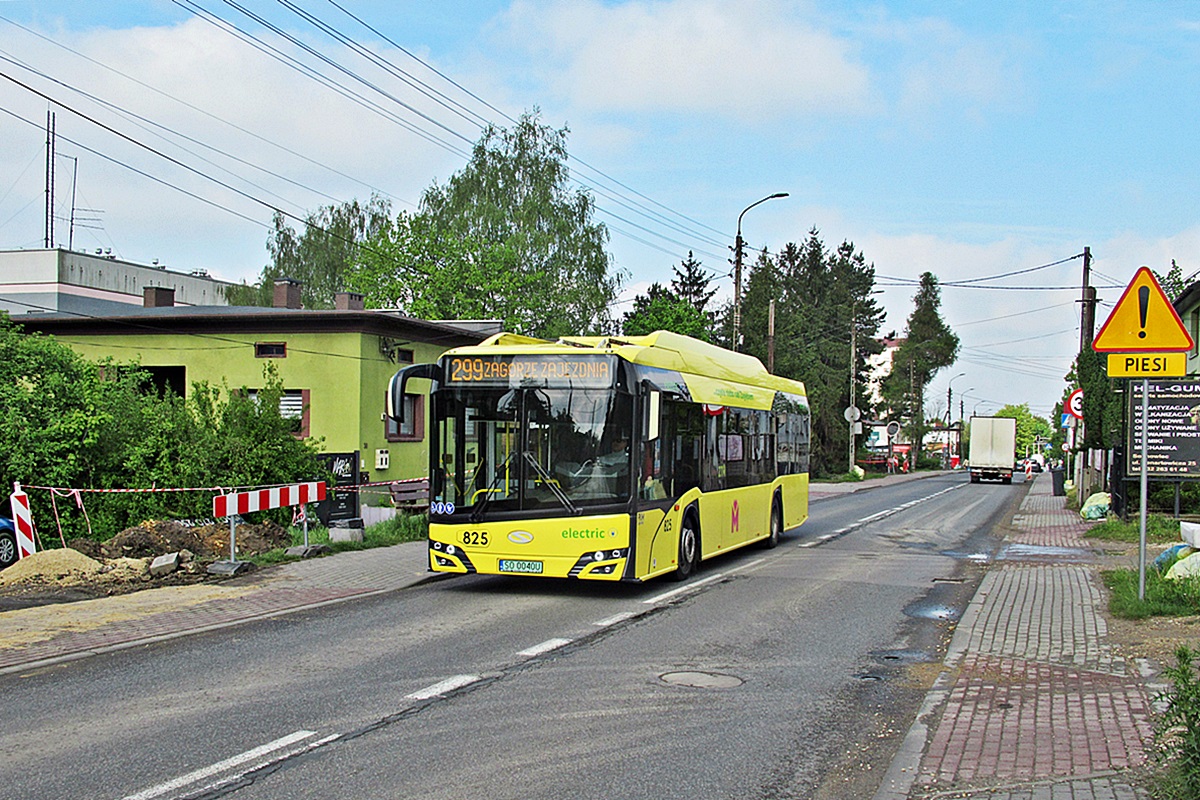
(932, 611)
(1033, 552)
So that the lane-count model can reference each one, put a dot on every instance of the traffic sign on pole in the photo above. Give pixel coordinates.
(1143, 321)
(1075, 404)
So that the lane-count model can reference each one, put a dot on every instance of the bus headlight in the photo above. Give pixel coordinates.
(599, 555)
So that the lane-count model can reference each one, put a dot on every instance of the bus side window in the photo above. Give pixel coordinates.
(683, 439)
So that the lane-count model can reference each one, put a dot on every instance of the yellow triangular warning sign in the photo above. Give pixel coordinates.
(1144, 321)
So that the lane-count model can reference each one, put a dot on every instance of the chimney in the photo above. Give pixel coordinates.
(348, 301)
(158, 297)
(287, 293)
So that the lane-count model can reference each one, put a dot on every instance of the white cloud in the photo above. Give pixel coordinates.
(211, 70)
(743, 59)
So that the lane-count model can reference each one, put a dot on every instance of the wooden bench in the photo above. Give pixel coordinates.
(412, 496)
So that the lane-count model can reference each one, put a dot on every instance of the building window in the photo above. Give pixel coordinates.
(404, 356)
(270, 349)
(293, 406)
(413, 428)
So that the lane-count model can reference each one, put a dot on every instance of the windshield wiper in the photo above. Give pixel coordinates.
(477, 512)
(555, 489)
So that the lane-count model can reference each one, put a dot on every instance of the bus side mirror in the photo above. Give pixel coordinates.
(400, 380)
(653, 408)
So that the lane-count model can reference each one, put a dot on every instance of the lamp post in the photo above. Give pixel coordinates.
(949, 402)
(738, 244)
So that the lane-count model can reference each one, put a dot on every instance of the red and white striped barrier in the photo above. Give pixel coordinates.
(263, 499)
(23, 521)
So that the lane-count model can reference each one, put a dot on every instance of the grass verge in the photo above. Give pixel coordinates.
(401, 528)
(1164, 598)
(1159, 530)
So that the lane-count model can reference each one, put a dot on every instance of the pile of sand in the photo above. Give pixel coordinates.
(63, 566)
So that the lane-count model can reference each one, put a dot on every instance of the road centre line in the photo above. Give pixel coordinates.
(683, 589)
(221, 766)
(443, 687)
(544, 647)
(875, 518)
(229, 780)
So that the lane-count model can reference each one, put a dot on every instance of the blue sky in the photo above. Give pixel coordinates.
(967, 139)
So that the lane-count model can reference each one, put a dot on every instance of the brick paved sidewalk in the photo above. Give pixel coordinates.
(1036, 706)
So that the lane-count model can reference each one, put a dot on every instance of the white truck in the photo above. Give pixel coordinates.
(993, 447)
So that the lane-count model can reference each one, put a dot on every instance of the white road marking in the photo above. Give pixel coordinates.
(544, 647)
(443, 687)
(683, 589)
(221, 766)
(875, 518)
(614, 619)
(295, 751)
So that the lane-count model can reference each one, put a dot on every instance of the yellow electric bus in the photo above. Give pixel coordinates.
(606, 458)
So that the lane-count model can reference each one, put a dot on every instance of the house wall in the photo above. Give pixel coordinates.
(346, 375)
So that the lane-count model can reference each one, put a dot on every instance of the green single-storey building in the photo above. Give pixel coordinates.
(334, 364)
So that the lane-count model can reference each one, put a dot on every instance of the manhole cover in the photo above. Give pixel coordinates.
(701, 680)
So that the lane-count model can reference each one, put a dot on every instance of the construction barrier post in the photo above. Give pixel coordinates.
(23, 521)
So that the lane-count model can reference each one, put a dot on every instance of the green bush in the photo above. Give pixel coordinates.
(1177, 731)
(69, 422)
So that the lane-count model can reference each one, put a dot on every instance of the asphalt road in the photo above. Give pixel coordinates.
(791, 672)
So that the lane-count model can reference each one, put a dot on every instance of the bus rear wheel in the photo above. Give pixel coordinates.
(772, 540)
(689, 548)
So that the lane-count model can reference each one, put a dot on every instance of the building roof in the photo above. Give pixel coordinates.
(253, 319)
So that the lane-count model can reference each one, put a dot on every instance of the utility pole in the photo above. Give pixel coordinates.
(1087, 327)
(854, 417)
(737, 289)
(771, 337)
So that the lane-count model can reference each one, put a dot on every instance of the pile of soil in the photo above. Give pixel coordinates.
(206, 542)
(87, 568)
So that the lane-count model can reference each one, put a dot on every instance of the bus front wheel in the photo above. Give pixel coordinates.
(689, 547)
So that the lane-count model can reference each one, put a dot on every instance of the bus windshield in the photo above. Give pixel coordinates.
(531, 448)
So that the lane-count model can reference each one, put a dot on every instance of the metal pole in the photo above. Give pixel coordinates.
(1143, 483)
(232, 538)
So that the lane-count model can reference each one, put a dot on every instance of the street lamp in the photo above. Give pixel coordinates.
(737, 270)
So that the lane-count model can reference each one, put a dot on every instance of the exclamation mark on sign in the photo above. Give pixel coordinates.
(1143, 307)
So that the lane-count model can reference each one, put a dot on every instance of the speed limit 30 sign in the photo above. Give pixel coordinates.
(1075, 404)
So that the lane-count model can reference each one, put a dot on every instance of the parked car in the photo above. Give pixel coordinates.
(8, 543)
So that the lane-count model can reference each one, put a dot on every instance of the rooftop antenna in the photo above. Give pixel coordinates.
(50, 146)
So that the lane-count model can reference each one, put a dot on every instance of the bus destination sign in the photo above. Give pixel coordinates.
(594, 371)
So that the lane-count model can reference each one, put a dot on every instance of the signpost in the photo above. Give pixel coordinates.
(1144, 322)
